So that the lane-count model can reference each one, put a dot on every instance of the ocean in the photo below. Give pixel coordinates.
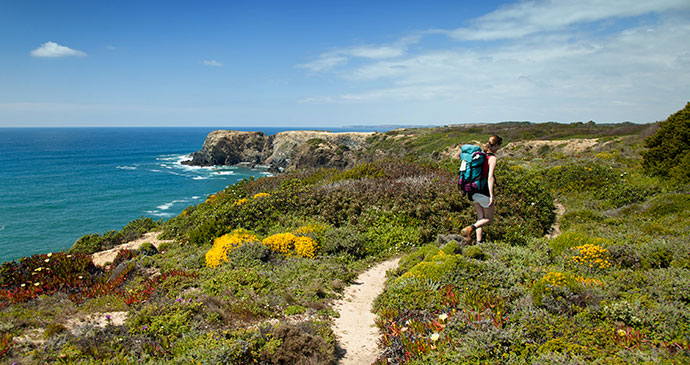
(58, 184)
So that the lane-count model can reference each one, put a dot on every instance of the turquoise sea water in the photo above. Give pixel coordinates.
(57, 184)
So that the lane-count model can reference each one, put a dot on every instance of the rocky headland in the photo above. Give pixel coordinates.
(282, 151)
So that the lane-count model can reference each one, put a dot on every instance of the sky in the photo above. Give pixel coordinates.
(340, 63)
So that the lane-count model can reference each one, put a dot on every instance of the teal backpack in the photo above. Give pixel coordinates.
(474, 169)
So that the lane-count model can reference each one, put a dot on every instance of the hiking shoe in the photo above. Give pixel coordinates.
(467, 233)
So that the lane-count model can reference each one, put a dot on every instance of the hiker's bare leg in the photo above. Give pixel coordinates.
(480, 216)
(484, 217)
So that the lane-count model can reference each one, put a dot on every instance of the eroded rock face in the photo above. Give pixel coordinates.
(232, 148)
(282, 151)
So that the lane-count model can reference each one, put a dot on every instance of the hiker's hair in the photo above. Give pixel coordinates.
(494, 142)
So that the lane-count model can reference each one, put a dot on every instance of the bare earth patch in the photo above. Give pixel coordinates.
(77, 324)
(555, 230)
(103, 257)
(355, 328)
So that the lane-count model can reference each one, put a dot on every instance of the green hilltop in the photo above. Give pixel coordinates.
(587, 260)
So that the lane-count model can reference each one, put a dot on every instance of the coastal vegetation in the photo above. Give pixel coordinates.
(250, 274)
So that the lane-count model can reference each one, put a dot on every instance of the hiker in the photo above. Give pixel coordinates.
(484, 200)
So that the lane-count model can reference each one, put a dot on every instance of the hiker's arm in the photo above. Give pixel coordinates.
(491, 181)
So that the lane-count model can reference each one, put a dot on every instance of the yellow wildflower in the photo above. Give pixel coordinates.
(226, 243)
(241, 201)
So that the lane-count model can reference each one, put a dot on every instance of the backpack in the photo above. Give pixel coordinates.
(474, 169)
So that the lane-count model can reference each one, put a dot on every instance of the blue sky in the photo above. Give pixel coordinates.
(335, 63)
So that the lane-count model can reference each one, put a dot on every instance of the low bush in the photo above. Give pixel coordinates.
(91, 243)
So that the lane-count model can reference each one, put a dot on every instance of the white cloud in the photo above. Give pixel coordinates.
(635, 71)
(212, 63)
(339, 57)
(376, 52)
(52, 50)
(529, 17)
(317, 100)
(325, 62)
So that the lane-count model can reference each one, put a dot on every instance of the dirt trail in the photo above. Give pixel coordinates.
(555, 230)
(102, 257)
(355, 329)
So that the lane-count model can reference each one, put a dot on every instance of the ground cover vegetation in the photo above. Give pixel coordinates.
(251, 272)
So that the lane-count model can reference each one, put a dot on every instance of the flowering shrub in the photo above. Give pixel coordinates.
(124, 255)
(150, 285)
(289, 244)
(261, 195)
(408, 335)
(280, 242)
(563, 292)
(314, 230)
(305, 247)
(241, 201)
(5, 344)
(591, 256)
(226, 243)
(553, 284)
(44, 274)
(572, 239)
(211, 198)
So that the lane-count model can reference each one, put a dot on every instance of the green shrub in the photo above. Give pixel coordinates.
(164, 323)
(451, 248)
(658, 256)
(343, 240)
(626, 256)
(91, 243)
(206, 232)
(572, 239)
(669, 147)
(433, 268)
(622, 311)
(300, 344)
(524, 209)
(250, 253)
(294, 309)
(579, 177)
(574, 218)
(418, 255)
(474, 252)
(564, 293)
(391, 231)
(148, 249)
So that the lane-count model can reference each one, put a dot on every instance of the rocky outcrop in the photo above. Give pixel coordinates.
(282, 151)
(232, 148)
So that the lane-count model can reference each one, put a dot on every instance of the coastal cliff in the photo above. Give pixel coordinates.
(282, 151)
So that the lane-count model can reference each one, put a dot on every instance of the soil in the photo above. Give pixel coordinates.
(355, 329)
(103, 257)
(555, 230)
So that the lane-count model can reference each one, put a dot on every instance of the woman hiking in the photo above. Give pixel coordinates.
(484, 200)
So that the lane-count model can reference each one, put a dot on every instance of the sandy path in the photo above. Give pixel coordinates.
(355, 329)
(555, 230)
(102, 257)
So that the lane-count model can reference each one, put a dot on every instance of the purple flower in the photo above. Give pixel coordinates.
(144, 328)
(107, 317)
(178, 300)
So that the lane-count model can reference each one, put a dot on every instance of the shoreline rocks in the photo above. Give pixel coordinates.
(283, 151)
